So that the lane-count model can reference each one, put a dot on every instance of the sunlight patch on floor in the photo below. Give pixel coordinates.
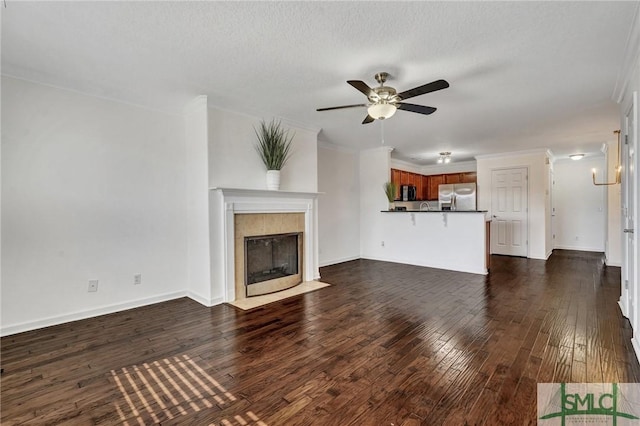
(169, 388)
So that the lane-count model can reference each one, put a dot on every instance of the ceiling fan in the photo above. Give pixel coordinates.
(384, 100)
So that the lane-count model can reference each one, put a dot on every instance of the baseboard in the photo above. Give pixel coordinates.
(579, 248)
(203, 300)
(636, 346)
(549, 255)
(616, 264)
(90, 313)
(340, 260)
(623, 310)
(443, 267)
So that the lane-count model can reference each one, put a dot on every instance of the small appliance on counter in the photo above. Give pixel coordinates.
(458, 196)
(408, 192)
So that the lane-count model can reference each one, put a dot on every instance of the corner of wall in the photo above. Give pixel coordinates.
(197, 137)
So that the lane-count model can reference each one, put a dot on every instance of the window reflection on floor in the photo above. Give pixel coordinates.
(169, 388)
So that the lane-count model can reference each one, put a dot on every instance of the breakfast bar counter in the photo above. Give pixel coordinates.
(453, 240)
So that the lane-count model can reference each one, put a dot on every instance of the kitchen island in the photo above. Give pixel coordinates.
(454, 240)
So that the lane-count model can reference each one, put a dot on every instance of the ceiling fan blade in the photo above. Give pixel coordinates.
(361, 86)
(341, 107)
(368, 119)
(425, 88)
(420, 109)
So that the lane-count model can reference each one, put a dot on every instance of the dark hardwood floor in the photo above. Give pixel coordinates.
(386, 344)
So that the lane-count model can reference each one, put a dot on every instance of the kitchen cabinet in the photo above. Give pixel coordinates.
(417, 179)
(469, 177)
(404, 177)
(424, 187)
(434, 182)
(452, 178)
(427, 186)
(395, 178)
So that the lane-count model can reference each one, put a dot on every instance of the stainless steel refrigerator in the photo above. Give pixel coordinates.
(457, 196)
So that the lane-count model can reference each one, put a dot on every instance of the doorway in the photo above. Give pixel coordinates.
(509, 211)
(629, 205)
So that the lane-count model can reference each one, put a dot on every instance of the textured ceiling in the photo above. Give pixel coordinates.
(523, 75)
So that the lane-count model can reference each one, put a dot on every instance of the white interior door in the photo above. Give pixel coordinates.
(629, 211)
(509, 211)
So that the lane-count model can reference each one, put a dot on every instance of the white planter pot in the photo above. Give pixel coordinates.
(273, 180)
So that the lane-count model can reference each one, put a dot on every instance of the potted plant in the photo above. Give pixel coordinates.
(274, 148)
(390, 189)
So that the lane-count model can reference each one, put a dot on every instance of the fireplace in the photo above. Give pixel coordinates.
(265, 237)
(272, 262)
(238, 213)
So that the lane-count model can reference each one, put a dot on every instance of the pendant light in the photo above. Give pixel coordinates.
(618, 168)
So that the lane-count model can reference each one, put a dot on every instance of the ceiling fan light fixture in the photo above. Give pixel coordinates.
(381, 110)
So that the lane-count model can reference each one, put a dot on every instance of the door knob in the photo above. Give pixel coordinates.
(494, 216)
(628, 231)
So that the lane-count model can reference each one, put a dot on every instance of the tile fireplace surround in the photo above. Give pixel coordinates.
(226, 203)
(260, 224)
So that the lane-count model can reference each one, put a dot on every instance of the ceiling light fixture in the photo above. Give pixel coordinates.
(576, 157)
(618, 168)
(381, 110)
(445, 157)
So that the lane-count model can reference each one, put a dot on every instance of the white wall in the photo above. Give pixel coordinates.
(234, 162)
(91, 189)
(579, 205)
(626, 94)
(548, 206)
(197, 193)
(434, 169)
(613, 241)
(455, 167)
(539, 215)
(375, 170)
(338, 204)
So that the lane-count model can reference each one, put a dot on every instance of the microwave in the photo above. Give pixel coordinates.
(407, 192)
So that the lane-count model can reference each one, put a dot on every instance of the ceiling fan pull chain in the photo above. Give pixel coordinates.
(382, 130)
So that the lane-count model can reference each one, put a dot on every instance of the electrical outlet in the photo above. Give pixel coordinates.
(577, 238)
(137, 279)
(381, 243)
(93, 286)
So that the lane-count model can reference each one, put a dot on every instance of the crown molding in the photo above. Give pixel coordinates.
(255, 116)
(632, 56)
(196, 104)
(513, 154)
(330, 145)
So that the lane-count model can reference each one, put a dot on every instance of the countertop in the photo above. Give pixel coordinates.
(433, 211)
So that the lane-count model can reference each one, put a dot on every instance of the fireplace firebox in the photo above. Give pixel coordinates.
(272, 262)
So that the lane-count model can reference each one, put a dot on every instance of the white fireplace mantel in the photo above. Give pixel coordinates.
(224, 203)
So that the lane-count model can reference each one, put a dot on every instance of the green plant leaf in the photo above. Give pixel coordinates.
(274, 144)
(390, 189)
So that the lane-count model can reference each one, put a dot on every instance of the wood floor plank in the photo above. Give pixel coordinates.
(385, 344)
